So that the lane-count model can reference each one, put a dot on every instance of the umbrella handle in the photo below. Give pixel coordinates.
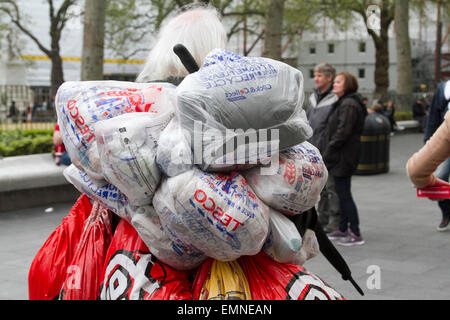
(186, 58)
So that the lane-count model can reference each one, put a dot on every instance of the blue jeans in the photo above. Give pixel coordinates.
(349, 212)
(443, 172)
(65, 160)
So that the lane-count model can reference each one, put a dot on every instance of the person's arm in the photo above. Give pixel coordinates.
(421, 166)
(57, 138)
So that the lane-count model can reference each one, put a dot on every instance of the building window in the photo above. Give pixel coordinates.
(361, 73)
(362, 47)
(311, 73)
(312, 49)
(331, 48)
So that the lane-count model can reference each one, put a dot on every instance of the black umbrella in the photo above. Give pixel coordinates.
(308, 220)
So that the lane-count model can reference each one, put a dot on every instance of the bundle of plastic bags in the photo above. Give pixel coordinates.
(167, 247)
(176, 253)
(217, 213)
(297, 183)
(147, 153)
(81, 104)
(127, 148)
(237, 111)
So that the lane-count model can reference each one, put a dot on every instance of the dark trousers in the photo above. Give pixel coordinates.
(349, 212)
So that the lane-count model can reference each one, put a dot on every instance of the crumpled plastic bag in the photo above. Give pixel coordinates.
(218, 214)
(105, 193)
(217, 280)
(171, 250)
(51, 263)
(173, 154)
(284, 243)
(271, 280)
(132, 272)
(127, 148)
(298, 182)
(240, 110)
(176, 253)
(84, 274)
(80, 104)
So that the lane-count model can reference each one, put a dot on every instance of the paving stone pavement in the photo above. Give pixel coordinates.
(402, 246)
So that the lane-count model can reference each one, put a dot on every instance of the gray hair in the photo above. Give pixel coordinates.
(199, 29)
(326, 68)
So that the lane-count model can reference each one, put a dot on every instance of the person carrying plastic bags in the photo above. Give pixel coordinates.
(93, 176)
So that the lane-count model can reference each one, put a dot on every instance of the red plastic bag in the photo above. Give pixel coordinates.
(271, 280)
(84, 274)
(131, 272)
(48, 269)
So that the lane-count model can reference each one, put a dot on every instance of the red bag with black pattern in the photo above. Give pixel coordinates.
(271, 280)
(131, 272)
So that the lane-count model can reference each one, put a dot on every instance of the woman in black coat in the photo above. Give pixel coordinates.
(341, 156)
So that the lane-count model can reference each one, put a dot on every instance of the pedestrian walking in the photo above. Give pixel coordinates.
(342, 153)
(318, 108)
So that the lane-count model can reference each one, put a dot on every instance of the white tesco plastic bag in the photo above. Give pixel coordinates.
(284, 243)
(127, 147)
(173, 154)
(80, 104)
(218, 214)
(177, 254)
(297, 185)
(247, 103)
(105, 193)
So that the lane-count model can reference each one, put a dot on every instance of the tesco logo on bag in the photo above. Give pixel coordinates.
(79, 120)
(217, 213)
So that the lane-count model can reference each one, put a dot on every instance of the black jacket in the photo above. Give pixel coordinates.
(344, 127)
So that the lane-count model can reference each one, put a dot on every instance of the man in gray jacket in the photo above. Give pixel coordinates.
(317, 109)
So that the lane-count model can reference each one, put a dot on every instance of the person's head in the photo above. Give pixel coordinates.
(345, 83)
(365, 100)
(377, 107)
(324, 74)
(198, 28)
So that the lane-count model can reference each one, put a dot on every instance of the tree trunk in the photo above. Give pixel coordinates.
(403, 45)
(57, 74)
(382, 67)
(93, 40)
(382, 54)
(273, 29)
